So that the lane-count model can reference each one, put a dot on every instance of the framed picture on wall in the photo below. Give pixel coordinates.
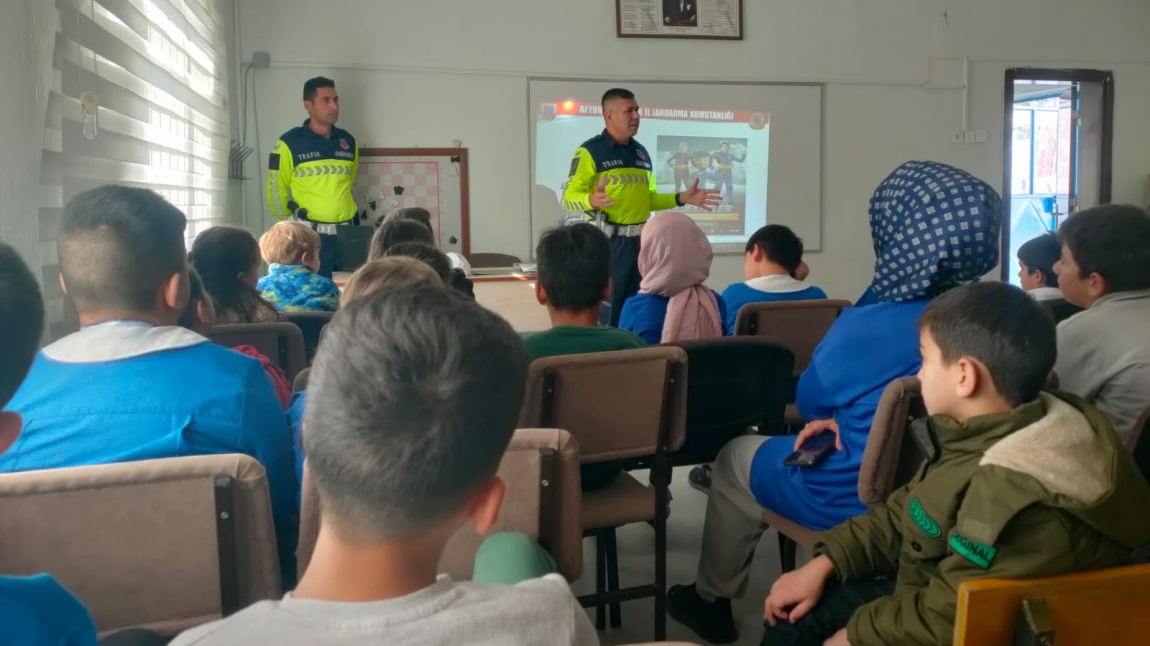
(705, 19)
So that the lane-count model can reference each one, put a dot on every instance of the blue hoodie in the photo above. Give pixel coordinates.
(765, 289)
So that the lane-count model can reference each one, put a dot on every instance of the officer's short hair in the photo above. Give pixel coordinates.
(574, 264)
(1112, 241)
(424, 253)
(724, 143)
(21, 321)
(394, 232)
(411, 406)
(117, 246)
(311, 86)
(1002, 328)
(617, 93)
(286, 242)
(779, 244)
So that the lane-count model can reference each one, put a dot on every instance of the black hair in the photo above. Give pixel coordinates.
(396, 450)
(1040, 254)
(21, 321)
(399, 230)
(311, 86)
(221, 255)
(196, 293)
(1002, 328)
(415, 213)
(616, 93)
(462, 284)
(780, 245)
(574, 265)
(425, 253)
(1113, 241)
(118, 246)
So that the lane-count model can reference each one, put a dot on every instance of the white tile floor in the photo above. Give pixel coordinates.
(684, 538)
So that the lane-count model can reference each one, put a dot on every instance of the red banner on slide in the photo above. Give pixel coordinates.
(576, 109)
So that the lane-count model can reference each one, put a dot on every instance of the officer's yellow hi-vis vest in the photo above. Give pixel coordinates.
(630, 181)
(316, 173)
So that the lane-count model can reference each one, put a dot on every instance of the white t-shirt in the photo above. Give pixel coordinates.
(536, 612)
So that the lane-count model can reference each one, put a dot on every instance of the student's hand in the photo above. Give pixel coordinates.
(704, 198)
(816, 427)
(795, 593)
(599, 198)
(838, 639)
(802, 271)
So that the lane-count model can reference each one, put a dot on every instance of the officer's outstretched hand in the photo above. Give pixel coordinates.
(599, 198)
(704, 198)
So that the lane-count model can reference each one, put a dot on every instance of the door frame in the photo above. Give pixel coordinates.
(1013, 74)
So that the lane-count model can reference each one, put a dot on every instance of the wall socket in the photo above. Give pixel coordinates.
(970, 137)
(261, 60)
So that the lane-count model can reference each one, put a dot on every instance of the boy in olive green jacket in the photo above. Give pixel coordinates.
(1018, 484)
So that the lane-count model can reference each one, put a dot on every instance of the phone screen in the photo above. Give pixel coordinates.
(813, 450)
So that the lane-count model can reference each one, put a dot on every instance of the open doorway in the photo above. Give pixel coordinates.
(1056, 153)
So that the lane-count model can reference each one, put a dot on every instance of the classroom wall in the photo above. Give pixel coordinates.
(425, 73)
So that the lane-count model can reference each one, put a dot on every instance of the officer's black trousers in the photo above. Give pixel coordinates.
(838, 603)
(328, 254)
(624, 273)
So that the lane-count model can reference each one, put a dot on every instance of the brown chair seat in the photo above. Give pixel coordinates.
(626, 501)
(803, 536)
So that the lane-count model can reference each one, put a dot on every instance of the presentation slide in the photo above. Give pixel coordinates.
(726, 150)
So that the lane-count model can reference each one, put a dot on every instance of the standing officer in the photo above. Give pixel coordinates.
(724, 176)
(312, 170)
(680, 163)
(613, 181)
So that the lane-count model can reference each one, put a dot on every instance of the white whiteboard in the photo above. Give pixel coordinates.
(791, 170)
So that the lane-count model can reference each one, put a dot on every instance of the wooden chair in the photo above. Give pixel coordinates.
(311, 325)
(620, 406)
(491, 260)
(799, 325)
(889, 461)
(280, 342)
(158, 544)
(1104, 607)
(541, 470)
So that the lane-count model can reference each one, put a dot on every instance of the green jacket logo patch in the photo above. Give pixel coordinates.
(927, 524)
(979, 554)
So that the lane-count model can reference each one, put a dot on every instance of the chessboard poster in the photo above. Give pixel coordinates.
(714, 19)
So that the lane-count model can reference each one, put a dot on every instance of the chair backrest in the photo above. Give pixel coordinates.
(799, 325)
(1139, 444)
(280, 342)
(354, 244)
(892, 457)
(311, 325)
(541, 470)
(1103, 607)
(618, 405)
(491, 260)
(736, 382)
(1059, 309)
(165, 544)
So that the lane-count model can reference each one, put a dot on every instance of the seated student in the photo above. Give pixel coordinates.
(402, 458)
(291, 251)
(672, 303)
(1036, 259)
(424, 253)
(394, 232)
(131, 384)
(773, 258)
(574, 277)
(228, 261)
(200, 315)
(869, 346)
(460, 268)
(1104, 352)
(375, 276)
(1019, 484)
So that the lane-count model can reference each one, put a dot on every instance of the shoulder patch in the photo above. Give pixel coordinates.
(923, 520)
(274, 161)
(574, 166)
(979, 554)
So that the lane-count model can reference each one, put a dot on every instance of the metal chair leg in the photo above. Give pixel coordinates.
(600, 579)
(661, 497)
(616, 612)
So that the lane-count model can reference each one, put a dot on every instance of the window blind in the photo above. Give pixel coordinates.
(161, 121)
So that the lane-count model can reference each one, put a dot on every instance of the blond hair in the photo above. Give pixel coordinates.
(388, 273)
(286, 243)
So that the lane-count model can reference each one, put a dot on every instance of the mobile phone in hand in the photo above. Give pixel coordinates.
(813, 451)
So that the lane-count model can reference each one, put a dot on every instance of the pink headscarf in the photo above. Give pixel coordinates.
(674, 260)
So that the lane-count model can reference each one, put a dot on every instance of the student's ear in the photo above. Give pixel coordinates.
(485, 503)
(606, 295)
(540, 293)
(757, 254)
(177, 291)
(1097, 286)
(63, 287)
(968, 378)
(10, 424)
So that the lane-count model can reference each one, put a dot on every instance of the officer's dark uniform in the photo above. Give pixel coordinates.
(680, 163)
(310, 177)
(724, 166)
(631, 186)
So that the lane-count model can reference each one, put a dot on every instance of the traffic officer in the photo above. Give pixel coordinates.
(312, 170)
(612, 180)
(724, 176)
(680, 163)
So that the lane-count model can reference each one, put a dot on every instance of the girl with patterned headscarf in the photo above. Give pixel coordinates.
(934, 228)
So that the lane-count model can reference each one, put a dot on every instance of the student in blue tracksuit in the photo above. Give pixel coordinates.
(934, 227)
(773, 258)
(133, 385)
